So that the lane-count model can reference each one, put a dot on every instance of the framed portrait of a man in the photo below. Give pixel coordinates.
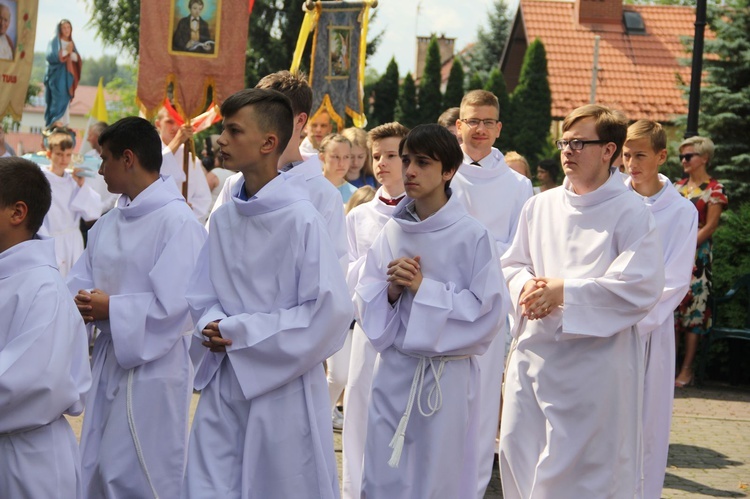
(194, 25)
(8, 29)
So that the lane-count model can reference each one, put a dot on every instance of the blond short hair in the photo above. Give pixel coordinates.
(479, 98)
(702, 145)
(514, 156)
(361, 196)
(651, 130)
(610, 125)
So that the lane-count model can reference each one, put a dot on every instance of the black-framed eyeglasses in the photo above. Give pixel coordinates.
(577, 144)
(473, 123)
(688, 156)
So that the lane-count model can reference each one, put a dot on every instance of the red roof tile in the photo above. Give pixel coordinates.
(639, 74)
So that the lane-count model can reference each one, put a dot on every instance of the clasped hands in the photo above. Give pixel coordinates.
(214, 341)
(93, 305)
(403, 273)
(540, 296)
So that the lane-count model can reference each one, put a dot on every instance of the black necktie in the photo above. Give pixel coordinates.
(475, 163)
(390, 202)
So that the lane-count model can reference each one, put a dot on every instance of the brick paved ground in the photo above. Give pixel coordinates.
(709, 455)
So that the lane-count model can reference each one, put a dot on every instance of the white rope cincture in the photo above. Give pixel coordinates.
(434, 400)
(134, 434)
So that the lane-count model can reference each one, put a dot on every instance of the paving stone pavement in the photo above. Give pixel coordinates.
(709, 453)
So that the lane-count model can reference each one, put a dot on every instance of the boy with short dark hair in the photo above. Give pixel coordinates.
(431, 298)
(645, 149)
(363, 224)
(44, 367)
(130, 282)
(270, 304)
(72, 201)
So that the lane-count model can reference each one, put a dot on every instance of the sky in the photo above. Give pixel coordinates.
(401, 20)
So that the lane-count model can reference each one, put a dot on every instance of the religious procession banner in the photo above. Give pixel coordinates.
(192, 44)
(337, 66)
(17, 34)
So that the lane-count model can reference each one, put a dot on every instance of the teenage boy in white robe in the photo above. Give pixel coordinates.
(584, 268)
(494, 194)
(44, 365)
(174, 138)
(431, 297)
(363, 224)
(645, 149)
(323, 195)
(72, 200)
(271, 304)
(130, 282)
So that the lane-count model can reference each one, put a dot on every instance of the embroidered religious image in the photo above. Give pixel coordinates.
(195, 24)
(8, 10)
(339, 50)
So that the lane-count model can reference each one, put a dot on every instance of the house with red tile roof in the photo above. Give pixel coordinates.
(641, 56)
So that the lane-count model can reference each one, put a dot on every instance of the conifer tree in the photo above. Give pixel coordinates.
(406, 108)
(496, 85)
(454, 89)
(725, 99)
(386, 95)
(531, 104)
(430, 98)
(490, 40)
(475, 82)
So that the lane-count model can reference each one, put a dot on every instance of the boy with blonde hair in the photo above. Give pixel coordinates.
(582, 275)
(72, 200)
(644, 151)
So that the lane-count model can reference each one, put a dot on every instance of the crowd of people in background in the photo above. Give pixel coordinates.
(391, 284)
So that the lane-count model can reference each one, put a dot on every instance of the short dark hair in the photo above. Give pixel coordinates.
(22, 180)
(191, 2)
(293, 85)
(272, 111)
(137, 135)
(550, 166)
(449, 117)
(436, 142)
(610, 125)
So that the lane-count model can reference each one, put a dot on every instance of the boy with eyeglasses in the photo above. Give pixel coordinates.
(676, 219)
(582, 274)
(494, 194)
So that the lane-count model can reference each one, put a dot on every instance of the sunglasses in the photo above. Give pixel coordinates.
(687, 157)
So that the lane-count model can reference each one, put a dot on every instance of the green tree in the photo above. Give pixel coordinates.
(93, 69)
(430, 98)
(454, 89)
(124, 87)
(725, 98)
(491, 40)
(475, 82)
(496, 85)
(386, 95)
(117, 23)
(531, 104)
(406, 107)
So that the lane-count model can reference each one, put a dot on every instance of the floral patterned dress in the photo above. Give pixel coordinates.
(693, 314)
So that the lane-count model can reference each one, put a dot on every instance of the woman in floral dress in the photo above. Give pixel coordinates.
(693, 317)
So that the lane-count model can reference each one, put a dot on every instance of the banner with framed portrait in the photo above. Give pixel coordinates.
(17, 35)
(193, 45)
(337, 66)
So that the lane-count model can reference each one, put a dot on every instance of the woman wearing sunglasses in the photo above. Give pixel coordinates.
(693, 317)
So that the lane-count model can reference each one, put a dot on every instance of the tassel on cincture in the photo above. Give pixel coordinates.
(398, 447)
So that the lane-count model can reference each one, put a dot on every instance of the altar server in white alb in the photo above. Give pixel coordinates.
(174, 137)
(363, 224)
(431, 297)
(645, 149)
(494, 194)
(130, 282)
(584, 268)
(270, 304)
(323, 195)
(44, 365)
(72, 200)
